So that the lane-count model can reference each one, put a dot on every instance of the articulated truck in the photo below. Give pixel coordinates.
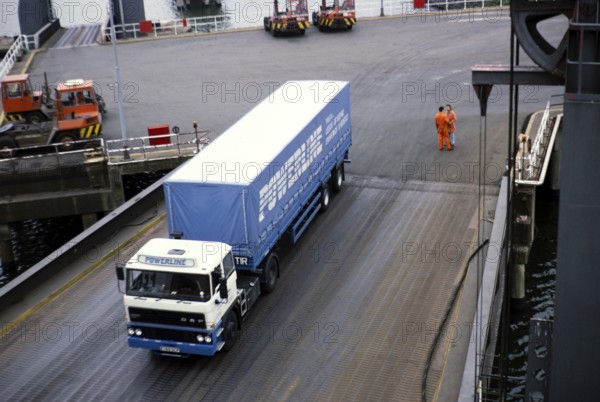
(228, 208)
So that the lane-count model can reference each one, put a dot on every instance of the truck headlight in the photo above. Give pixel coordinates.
(200, 338)
(207, 339)
(138, 332)
(130, 331)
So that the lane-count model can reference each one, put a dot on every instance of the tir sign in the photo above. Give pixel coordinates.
(241, 260)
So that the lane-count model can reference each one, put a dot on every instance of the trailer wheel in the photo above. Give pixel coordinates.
(270, 274)
(67, 140)
(35, 117)
(324, 198)
(230, 333)
(338, 178)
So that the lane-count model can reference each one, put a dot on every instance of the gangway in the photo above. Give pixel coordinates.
(532, 160)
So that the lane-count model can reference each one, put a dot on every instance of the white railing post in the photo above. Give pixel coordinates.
(11, 56)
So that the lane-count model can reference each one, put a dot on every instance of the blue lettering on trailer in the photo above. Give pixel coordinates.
(290, 172)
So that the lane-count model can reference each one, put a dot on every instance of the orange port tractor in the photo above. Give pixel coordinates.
(335, 15)
(292, 18)
(21, 103)
(76, 115)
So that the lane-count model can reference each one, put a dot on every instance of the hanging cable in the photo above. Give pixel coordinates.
(445, 317)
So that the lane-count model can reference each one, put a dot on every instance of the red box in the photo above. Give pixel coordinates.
(418, 4)
(145, 26)
(159, 130)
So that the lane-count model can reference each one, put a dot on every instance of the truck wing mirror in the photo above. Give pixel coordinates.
(223, 293)
(120, 272)
(120, 275)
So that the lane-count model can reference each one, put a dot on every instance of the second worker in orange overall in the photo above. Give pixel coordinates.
(441, 122)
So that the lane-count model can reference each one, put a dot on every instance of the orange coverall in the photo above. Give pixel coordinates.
(441, 122)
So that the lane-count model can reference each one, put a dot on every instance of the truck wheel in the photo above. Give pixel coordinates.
(67, 141)
(7, 143)
(101, 104)
(230, 331)
(324, 198)
(35, 117)
(337, 179)
(270, 274)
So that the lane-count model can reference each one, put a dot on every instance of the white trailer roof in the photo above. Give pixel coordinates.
(239, 154)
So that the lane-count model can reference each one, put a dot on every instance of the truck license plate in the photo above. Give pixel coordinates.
(169, 349)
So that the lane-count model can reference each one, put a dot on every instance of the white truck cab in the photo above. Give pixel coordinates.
(181, 297)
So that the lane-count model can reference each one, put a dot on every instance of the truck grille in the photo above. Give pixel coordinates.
(170, 335)
(194, 320)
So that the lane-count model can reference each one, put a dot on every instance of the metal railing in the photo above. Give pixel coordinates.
(113, 152)
(169, 28)
(34, 158)
(532, 161)
(12, 56)
(389, 8)
(23, 44)
(155, 147)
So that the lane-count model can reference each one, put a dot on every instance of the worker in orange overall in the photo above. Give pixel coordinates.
(441, 122)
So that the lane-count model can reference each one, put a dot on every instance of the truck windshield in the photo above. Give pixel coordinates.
(168, 285)
(81, 97)
(298, 7)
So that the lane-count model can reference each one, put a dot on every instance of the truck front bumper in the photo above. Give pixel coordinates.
(173, 340)
(173, 348)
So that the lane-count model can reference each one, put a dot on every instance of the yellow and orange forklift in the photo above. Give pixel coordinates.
(292, 18)
(333, 16)
(74, 114)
